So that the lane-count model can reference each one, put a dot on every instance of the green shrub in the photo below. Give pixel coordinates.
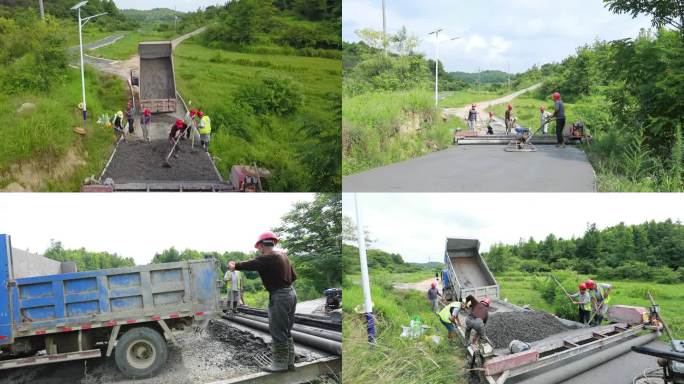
(278, 95)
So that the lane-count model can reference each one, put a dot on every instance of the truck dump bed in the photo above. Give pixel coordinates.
(468, 273)
(157, 78)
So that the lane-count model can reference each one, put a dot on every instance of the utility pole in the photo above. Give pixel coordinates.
(81, 23)
(384, 28)
(365, 281)
(436, 33)
(175, 19)
(42, 10)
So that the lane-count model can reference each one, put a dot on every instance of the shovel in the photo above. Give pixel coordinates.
(167, 164)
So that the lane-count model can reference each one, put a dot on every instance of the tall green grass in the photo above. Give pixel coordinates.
(45, 136)
(392, 359)
(380, 128)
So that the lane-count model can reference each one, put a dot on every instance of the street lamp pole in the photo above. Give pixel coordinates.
(384, 28)
(436, 33)
(81, 23)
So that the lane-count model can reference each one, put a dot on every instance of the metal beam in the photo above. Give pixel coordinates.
(305, 372)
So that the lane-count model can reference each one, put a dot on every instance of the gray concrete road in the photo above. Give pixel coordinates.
(482, 168)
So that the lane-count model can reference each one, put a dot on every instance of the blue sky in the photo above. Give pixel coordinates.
(416, 225)
(495, 33)
(181, 5)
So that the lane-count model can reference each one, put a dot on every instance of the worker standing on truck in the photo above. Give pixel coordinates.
(145, 121)
(583, 302)
(471, 118)
(448, 316)
(508, 118)
(235, 285)
(559, 115)
(477, 317)
(433, 295)
(277, 275)
(204, 129)
(600, 298)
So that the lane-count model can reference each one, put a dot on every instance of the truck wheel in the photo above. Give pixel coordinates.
(140, 352)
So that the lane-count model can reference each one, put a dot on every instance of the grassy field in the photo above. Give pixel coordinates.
(462, 98)
(393, 359)
(212, 78)
(381, 128)
(127, 46)
(517, 287)
(35, 146)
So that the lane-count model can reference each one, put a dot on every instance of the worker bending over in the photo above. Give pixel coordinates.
(177, 130)
(477, 317)
(277, 275)
(583, 302)
(433, 295)
(448, 316)
(600, 297)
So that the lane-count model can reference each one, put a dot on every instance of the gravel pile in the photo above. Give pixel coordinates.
(137, 161)
(527, 326)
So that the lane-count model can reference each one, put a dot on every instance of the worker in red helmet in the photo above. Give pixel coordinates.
(433, 296)
(277, 276)
(490, 128)
(508, 118)
(477, 318)
(544, 119)
(176, 132)
(559, 116)
(472, 118)
(583, 302)
(145, 121)
(600, 298)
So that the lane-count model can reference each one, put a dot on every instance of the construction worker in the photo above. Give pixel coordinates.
(448, 316)
(477, 317)
(472, 118)
(490, 129)
(145, 121)
(130, 111)
(600, 298)
(177, 130)
(583, 302)
(433, 295)
(559, 115)
(544, 123)
(235, 285)
(508, 118)
(204, 129)
(277, 275)
(118, 124)
(190, 121)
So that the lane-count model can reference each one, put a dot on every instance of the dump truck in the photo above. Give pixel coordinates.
(50, 317)
(157, 78)
(551, 358)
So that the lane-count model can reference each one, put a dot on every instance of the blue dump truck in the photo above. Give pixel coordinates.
(129, 312)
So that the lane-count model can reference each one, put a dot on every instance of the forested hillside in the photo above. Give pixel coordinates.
(649, 251)
(87, 260)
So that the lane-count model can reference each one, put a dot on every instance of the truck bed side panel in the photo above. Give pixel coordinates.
(6, 335)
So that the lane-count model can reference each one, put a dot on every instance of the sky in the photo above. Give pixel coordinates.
(494, 33)
(417, 225)
(140, 225)
(180, 5)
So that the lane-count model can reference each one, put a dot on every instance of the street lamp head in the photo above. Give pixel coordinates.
(435, 32)
(454, 38)
(79, 5)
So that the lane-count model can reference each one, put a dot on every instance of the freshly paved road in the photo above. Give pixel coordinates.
(482, 168)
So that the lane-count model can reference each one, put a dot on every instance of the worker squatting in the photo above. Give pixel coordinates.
(277, 276)
(195, 120)
(592, 300)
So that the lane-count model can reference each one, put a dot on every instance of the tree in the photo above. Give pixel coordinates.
(312, 234)
(663, 12)
(350, 232)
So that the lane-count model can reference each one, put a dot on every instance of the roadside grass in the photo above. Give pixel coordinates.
(127, 46)
(381, 128)
(462, 98)
(212, 78)
(392, 359)
(518, 288)
(89, 35)
(44, 137)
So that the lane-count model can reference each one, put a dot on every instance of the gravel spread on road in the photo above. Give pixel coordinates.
(527, 326)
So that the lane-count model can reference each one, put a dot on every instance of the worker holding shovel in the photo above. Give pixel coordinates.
(177, 130)
(277, 275)
(583, 302)
(448, 316)
(600, 298)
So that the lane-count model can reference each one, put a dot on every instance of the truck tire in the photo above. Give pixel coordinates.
(140, 352)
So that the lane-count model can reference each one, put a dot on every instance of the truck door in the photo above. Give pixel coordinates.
(5, 291)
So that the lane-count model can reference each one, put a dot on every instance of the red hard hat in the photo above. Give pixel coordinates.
(486, 301)
(179, 123)
(474, 105)
(200, 113)
(542, 108)
(590, 284)
(147, 112)
(556, 96)
(433, 285)
(582, 286)
(266, 236)
(510, 106)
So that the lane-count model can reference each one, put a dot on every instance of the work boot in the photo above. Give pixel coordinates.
(290, 354)
(279, 362)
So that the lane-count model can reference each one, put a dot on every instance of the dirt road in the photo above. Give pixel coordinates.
(461, 112)
(482, 168)
(422, 286)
